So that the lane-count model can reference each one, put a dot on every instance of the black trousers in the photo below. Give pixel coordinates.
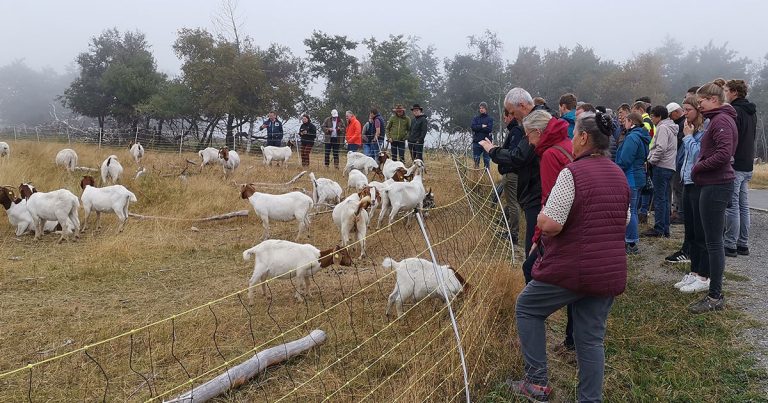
(332, 144)
(417, 149)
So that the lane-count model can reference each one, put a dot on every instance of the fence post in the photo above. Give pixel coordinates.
(101, 134)
(37, 133)
(69, 140)
(14, 134)
(181, 137)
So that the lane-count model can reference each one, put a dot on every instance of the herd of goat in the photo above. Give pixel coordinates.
(400, 191)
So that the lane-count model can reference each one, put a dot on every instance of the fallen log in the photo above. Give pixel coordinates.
(227, 216)
(87, 169)
(242, 373)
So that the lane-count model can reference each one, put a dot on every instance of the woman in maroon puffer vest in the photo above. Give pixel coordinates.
(583, 263)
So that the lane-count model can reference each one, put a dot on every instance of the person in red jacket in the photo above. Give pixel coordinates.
(354, 132)
(583, 262)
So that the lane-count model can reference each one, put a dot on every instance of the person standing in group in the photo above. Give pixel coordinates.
(307, 134)
(698, 278)
(333, 130)
(677, 115)
(482, 127)
(398, 127)
(620, 132)
(646, 194)
(274, 130)
(662, 157)
(714, 176)
(507, 187)
(630, 157)
(373, 139)
(737, 215)
(354, 132)
(419, 129)
(583, 262)
(568, 111)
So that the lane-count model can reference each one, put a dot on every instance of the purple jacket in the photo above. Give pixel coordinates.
(588, 255)
(717, 148)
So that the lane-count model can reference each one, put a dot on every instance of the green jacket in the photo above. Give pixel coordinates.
(398, 128)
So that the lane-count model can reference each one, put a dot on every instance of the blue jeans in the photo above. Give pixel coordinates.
(661, 178)
(737, 214)
(632, 235)
(353, 147)
(372, 149)
(477, 151)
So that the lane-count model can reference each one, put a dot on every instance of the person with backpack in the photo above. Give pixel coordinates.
(662, 156)
(373, 137)
(630, 157)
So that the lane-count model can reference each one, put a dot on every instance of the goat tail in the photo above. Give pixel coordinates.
(389, 263)
(248, 253)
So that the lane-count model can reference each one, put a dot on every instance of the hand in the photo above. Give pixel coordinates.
(688, 128)
(487, 145)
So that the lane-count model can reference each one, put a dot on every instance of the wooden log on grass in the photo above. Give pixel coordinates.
(234, 214)
(242, 373)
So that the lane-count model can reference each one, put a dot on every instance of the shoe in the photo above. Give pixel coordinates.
(696, 286)
(534, 393)
(707, 304)
(687, 279)
(678, 257)
(631, 249)
(676, 220)
(643, 218)
(730, 252)
(651, 233)
(742, 250)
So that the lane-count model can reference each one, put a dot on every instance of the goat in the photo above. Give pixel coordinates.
(360, 162)
(59, 205)
(18, 215)
(111, 169)
(277, 154)
(416, 280)
(352, 218)
(357, 180)
(285, 207)
(5, 149)
(230, 160)
(325, 190)
(103, 200)
(284, 259)
(208, 155)
(387, 166)
(137, 152)
(429, 202)
(67, 158)
(403, 196)
(379, 194)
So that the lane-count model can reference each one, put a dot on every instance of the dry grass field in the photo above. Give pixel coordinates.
(60, 298)
(759, 177)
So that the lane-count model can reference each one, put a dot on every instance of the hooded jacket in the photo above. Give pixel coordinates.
(746, 123)
(354, 132)
(717, 147)
(550, 148)
(515, 133)
(398, 127)
(631, 155)
(419, 129)
(570, 117)
(663, 152)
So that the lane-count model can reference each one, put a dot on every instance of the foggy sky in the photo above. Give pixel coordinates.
(51, 33)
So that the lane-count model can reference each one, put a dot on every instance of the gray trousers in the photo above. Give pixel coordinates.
(539, 300)
(512, 207)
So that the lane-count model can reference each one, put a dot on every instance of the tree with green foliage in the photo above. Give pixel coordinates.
(328, 59)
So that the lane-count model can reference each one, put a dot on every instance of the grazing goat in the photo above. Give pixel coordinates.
(352, 219)
(111, 169)
(103, 200)
(137, 152)
(403, 196)
(286, 260)
(325, 190)
(285, 207)
(59, 205)
(18, 215)
(209, 155)
(229, 159)
(416, 280)
(67, 158)
(5, 149)
(357, 180)
(387, 166)
(277, 154)
(361, 162)
(379, 192)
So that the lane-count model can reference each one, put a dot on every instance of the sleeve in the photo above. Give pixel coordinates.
(560, 201)
(389, 125)
(489, 128)
(515, 158)
(549, 168)
(628, 151)
(312, 129)
(476, 126)
(424, 130)
(722, 154)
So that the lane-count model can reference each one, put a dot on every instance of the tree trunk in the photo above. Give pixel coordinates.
(230, 138)
(250, 135)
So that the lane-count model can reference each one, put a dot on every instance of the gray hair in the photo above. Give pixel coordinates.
(578, 128)
(537, 120)
(517, 96)
(349, 113)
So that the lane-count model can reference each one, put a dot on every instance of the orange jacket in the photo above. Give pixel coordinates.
(354, 131)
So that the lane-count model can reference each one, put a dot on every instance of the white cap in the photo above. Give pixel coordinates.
(673, 106)
(335, 113)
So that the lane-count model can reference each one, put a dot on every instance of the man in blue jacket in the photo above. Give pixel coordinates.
(274, 130)
(482, 127)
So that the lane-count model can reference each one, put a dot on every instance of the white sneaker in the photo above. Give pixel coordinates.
(697, 286)
(687, 279)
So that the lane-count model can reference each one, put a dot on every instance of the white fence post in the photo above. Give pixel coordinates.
(14, 134)
(181, 137)
(37, 133)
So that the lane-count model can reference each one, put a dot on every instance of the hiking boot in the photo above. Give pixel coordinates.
(730, 252)
(707, 304)
(687, 279)
(631, 249)
(742, 250)
(677, 257)
(534, 393)
(698, 285)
